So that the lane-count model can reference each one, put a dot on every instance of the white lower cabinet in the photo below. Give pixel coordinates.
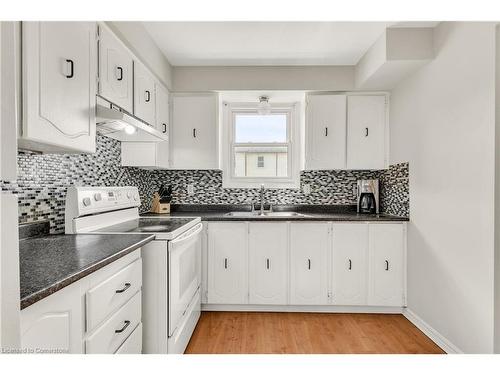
(97, 314)
(350, 264)
(387, 265)
(305, 264)
(227, 263)
(55, 324)
(310, 245)
(268, 263)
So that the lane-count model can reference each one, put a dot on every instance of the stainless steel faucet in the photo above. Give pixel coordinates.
(262, 199)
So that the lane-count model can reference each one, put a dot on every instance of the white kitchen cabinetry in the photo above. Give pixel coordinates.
(96, 314)
(386, 265)
(227, 263)
(115, 70)
(145, 155)
(366, 132)
(59, 86)
(55, 324)
(162, 108)
(194, 134)
(144, 94)
(268, 263)
(326, 132)
(310, 245)
(350, 264)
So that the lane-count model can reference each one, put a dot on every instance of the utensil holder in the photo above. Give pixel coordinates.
(159, 208)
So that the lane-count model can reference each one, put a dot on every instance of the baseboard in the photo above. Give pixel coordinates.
(431, 333)
(293, 308)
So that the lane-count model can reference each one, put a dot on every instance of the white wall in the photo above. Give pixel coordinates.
(217, 78)
(497, 194)
(443, 123)
(135, 36)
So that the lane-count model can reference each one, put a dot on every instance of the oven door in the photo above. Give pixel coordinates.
(184, 259)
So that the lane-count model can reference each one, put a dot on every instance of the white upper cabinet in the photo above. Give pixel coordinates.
(326, 132)
(59, 86)
(115, 70)
(386, 265)
(162, 108)
(310, 246)
(144, 94)
(350, 264)
(194, 131)
(366, 132)
(268, 263)
(227, 263)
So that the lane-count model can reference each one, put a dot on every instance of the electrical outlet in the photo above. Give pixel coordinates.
(190, 189)
(306, 188)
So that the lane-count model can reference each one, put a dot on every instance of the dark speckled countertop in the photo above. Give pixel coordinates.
(49, 263)
(310, 212)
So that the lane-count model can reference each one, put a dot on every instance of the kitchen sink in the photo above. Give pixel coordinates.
(265, 214)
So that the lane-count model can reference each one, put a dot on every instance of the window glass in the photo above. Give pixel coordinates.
(254, 128)
(265, 161)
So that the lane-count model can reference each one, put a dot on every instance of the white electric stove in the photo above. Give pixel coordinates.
(171, 295)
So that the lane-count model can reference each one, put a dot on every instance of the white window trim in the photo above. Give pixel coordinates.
(293, 132)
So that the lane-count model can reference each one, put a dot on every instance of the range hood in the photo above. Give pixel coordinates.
(116, 123)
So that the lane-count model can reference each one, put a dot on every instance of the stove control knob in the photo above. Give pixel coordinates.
(97, 197)
(86, 202)
(136, 197)
(129, 194)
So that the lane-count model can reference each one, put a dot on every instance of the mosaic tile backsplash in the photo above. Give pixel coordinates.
(43, 180)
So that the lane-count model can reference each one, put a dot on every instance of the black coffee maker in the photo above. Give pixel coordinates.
(368, 202)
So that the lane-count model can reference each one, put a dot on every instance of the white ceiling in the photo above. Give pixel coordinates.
(264, 43)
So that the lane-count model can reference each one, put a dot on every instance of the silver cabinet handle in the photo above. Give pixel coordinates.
(148, 96)
(125, 287)
(387, 265)
(225, 263)
(125, 325)
(309, 264)
(267, 263)
(164, 128)
(350, 265)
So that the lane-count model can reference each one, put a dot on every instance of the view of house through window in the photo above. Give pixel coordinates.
(261, 145)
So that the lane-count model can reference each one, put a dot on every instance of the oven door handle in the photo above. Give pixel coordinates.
(188, 235)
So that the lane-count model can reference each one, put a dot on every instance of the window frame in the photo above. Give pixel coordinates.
(229, 180)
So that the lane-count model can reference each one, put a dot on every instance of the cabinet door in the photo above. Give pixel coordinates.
(227, 263)
(268, 263)
(162, 125)
(194, 132)
(366, 132)
(59, 85)
(326, 132)
(386, 262)
(350, 264)
(310, 244)
(54, 324)
(144, 94)
(115, 70)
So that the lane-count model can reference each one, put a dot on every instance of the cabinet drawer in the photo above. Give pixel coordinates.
(108, 337)
(133, 344)
(112, 293)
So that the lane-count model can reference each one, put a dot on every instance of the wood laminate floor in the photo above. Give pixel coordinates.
(312, 333)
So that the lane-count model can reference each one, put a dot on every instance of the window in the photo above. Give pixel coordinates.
(260, 162)
(260, 148)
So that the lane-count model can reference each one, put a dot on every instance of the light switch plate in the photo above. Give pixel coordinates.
(190, 189)
(306, 188)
